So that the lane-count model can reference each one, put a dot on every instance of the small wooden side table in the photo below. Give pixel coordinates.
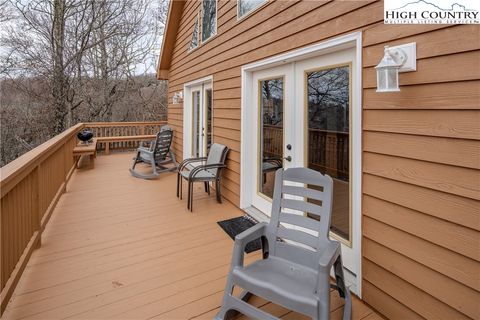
(89, 149)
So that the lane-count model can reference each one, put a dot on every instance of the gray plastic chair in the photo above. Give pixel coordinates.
(204, 169)
(295, 269)
(157, 155)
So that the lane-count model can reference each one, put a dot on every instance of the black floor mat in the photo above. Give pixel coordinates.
(237, 225)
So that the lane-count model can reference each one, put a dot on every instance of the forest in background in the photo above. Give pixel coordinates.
(69, 61)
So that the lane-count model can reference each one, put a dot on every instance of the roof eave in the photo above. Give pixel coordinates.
(168, 42)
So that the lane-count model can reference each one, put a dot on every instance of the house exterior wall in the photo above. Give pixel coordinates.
(420, 215)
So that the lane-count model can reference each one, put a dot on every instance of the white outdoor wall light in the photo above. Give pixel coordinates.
(396, 59)
(177, 97)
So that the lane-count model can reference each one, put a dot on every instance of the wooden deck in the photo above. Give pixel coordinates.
(123, 248)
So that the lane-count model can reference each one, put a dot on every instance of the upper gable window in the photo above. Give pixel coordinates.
(209, 19)
(244, 7)
(195, 41)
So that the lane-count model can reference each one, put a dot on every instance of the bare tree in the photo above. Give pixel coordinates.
(36, 42)
(116, 61)
(5, 13)
(93, 58)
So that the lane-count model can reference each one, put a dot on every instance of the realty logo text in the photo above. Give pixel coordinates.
(432, 12)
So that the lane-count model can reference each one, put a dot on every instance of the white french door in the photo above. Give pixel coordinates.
(198, 117)
(275, 126)
(324, 130)
(305, 116)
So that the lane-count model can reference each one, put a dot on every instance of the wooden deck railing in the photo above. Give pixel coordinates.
(327, 150)
(118, 129)
(30, 188)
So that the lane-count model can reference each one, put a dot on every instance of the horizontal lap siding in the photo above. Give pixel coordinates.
(420, 145)
(421, 181)
(238, 43)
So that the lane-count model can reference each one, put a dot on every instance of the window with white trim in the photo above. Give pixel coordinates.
(209, 19)
(244, 7)
(194, 42)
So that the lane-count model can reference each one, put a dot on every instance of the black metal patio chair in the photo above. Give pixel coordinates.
(203, 169)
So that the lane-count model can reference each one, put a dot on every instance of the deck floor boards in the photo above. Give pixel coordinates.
(118, 247)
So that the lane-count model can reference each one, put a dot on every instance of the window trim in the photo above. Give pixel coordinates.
(201, 24)
(251, 11)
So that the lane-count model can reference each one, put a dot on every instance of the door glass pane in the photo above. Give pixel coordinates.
(271, 133)
(208, 129)
(328, 97)
(196, 124)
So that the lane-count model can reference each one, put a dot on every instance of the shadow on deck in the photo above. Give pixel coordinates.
(125, 248)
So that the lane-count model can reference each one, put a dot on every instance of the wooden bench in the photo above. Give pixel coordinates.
(89, 149)
(108, 140)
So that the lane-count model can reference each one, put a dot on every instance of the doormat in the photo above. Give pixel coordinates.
(236, 226)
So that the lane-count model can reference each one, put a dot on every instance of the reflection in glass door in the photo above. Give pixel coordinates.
(270, 134)
(327, 136)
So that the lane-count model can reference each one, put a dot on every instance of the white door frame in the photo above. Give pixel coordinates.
(188, 113)
(247, 132)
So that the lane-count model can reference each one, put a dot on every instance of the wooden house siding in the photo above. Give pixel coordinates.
(421, 159)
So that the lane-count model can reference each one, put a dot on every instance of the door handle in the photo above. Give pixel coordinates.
(289, 158)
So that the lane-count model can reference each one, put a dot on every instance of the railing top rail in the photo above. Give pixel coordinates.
(25, 163)
(123, 124)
